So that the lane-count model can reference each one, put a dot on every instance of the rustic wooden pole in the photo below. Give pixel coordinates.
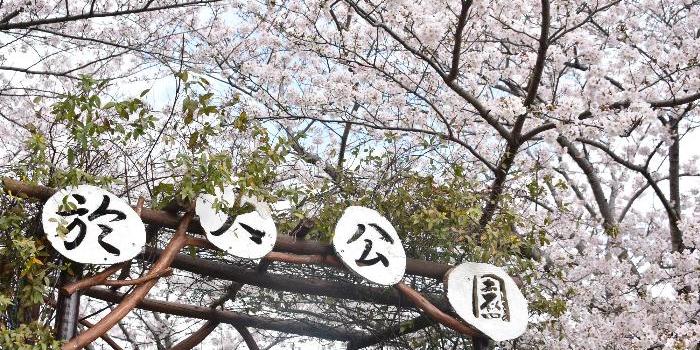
(67, 305)
(101, 279)
(436, 314)
(247, 337)
(197, 337)
(203, 332)
(480, 343)
(178, 241)
(90, 281)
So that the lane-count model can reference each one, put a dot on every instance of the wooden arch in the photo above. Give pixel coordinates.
(291, 249)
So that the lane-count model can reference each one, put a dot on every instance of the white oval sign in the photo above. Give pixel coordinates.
(487, 298)
(367, 244)
(89, 225)
(249, 235)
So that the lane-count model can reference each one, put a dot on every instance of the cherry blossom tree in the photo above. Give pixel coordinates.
(554, 138)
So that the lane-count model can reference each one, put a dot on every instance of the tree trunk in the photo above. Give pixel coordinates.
(674, 186)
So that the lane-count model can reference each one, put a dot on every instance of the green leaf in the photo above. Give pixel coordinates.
(192, 143)
(182, 75)
(203, 99)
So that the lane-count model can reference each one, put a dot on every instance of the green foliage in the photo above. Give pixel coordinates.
(201, 174)
(438, 221)
(36, 146)
(202, 167)
(88, 130)
(31, 336)
(25, 275)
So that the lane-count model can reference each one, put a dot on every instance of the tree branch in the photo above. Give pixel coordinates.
(536, 75)
(672, 102)
(89, 15)
(457, 49)
(673, 217)
(343, 145)
(104, 337)
(609, 222)
(11, 15)
(473, 101)
(197, 337)
(497, 185)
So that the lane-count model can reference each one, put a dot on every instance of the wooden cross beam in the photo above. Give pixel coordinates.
(304, 328)
(292, 284)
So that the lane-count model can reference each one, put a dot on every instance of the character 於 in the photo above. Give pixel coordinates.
(82, 213)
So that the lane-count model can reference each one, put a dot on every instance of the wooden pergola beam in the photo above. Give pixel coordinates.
(389, 333)
(293, 284)
(285, 243)
(230, 317)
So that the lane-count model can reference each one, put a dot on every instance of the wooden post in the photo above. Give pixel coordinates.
(67, 305)
(480, 343)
